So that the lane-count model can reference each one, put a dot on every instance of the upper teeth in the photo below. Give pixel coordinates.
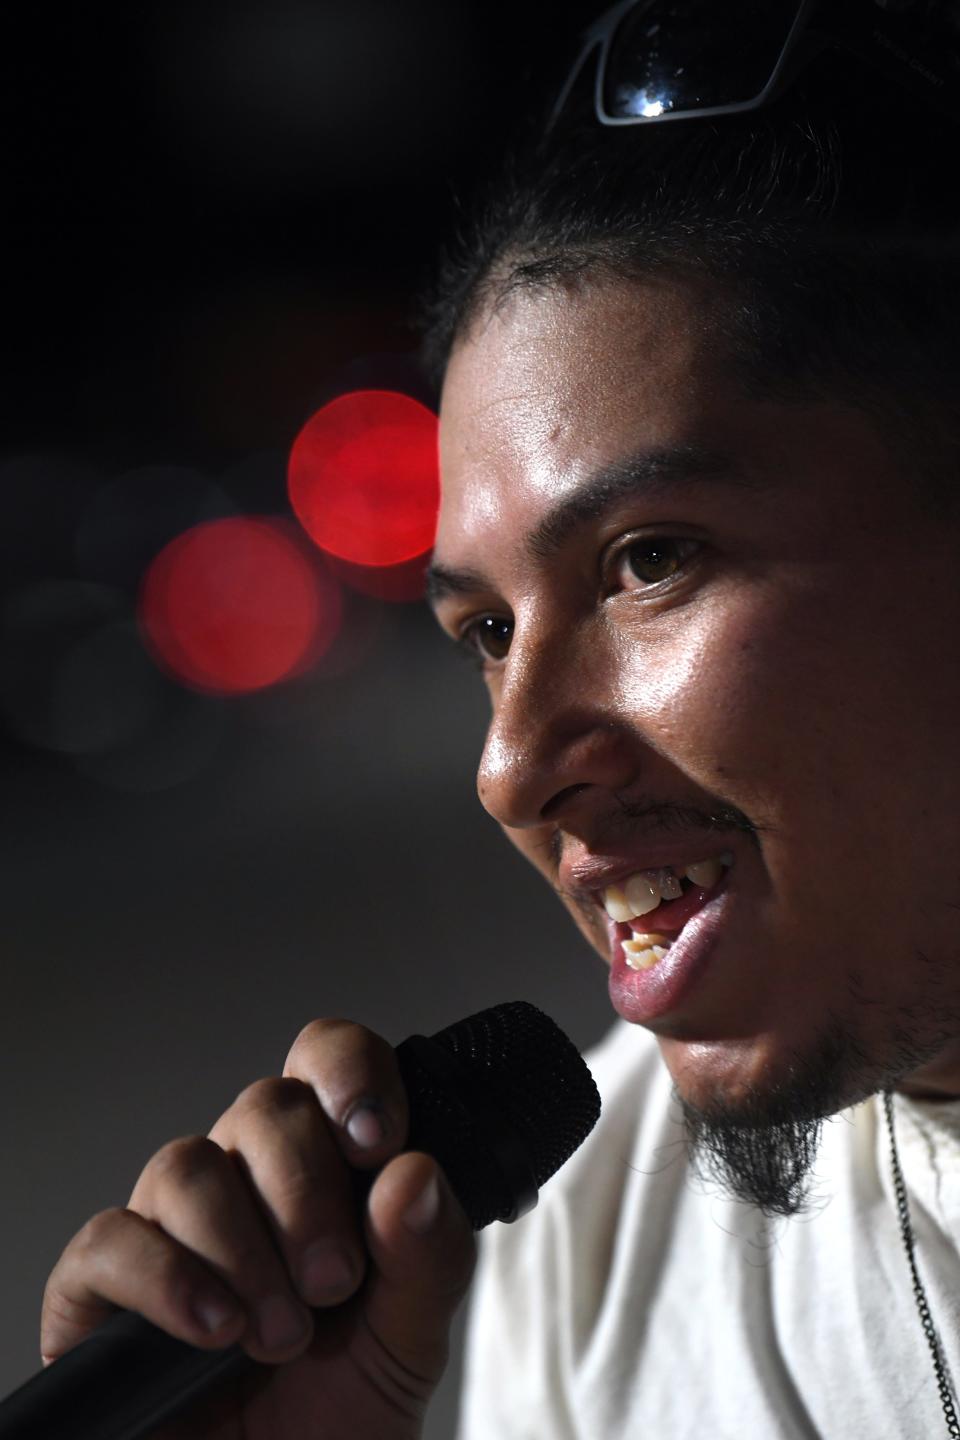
(641, 893)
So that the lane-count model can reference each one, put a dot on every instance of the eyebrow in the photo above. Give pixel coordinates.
(650, 473)
(443, 581)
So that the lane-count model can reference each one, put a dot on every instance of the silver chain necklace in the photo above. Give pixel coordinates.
(920, 1295)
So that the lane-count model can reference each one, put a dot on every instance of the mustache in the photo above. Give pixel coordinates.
(655, 815)
(647, 815)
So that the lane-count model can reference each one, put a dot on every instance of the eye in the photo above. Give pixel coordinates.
(487, 638)
(652, 559)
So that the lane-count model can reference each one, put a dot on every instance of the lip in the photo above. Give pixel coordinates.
(645, 996)
(587, 878)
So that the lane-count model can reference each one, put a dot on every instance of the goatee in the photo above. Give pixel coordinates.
(762, 1147)
(769, 1165)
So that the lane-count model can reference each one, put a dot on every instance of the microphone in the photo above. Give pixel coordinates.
(500, 1099)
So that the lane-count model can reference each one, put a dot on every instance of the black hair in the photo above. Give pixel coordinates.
(827, 226)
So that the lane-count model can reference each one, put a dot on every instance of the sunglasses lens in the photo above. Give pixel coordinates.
(693, 55)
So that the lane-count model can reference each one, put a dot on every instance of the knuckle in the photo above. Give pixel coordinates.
(184, 1160)
(98, 1232)
(319, 1034)
(340, 1054)
(75, 1296)
(275, 1093)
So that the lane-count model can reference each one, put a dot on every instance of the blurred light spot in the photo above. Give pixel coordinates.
(398, 584)
(130, 518)
(105, 692)
(234, 605)
(73, 675)
(181, 741)
(363, 477)
(43, 497)
(298, 706)
(355, 646)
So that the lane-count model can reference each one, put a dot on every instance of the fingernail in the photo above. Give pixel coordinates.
(326, 1273)
(280, 1323)
(420, 1216)
(366, 1126)
(213, 1312)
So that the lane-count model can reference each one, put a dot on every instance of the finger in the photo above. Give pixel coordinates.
(278, 1133)
(355, 1076)
(119, 1259)
(196, 1193)
(422, 1253)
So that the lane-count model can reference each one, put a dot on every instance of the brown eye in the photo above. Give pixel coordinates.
(654, 559)
(489, 637)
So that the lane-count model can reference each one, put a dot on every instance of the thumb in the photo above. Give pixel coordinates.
(423, 1251)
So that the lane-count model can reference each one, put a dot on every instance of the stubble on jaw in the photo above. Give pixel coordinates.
(762, 1148)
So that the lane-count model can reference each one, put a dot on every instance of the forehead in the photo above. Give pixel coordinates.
(557, 382)
(556, 386)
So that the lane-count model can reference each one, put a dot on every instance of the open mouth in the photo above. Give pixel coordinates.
(650, 908)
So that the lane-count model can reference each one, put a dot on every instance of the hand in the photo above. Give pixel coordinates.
(254, 1235)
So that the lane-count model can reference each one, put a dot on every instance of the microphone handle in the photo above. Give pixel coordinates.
(125, 1379)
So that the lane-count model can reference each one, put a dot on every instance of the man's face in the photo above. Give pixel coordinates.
(716, 632)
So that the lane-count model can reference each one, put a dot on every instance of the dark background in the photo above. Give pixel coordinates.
(215, 217)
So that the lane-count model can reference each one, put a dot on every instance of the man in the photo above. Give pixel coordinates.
(699, 528)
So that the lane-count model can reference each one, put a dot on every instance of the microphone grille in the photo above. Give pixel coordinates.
(512, 1086)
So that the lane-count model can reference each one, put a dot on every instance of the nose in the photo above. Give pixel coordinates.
(557, 744)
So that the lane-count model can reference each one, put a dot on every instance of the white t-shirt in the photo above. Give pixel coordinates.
(637, 1304)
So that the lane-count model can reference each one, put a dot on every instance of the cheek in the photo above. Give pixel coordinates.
(826, 734)
(703, 688)
(751, 696)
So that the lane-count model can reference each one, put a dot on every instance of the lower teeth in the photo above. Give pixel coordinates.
(643, 957)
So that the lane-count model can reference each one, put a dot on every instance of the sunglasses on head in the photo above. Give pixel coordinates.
(662, 60)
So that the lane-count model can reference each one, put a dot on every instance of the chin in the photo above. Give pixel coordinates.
(764, 1080)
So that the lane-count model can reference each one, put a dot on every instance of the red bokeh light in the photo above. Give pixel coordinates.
(364, 478)
(235, 605)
